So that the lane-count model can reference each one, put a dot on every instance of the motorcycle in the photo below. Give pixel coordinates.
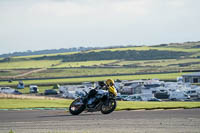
(95, 100)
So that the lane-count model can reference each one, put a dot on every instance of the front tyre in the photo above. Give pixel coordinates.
(109, 107)
(76, 107)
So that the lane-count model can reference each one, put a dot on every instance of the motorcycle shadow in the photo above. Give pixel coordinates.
(70, 115)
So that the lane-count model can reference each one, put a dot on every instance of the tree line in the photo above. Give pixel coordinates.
(117, 55)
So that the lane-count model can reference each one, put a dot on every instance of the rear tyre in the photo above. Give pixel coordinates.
(109, 107)
(76, 107)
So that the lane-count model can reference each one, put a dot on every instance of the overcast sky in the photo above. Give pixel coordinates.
(49, 24)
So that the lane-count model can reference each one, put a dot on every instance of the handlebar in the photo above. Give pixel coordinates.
(85, 92)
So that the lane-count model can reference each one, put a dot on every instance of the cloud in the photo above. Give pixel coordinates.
(88, 7)
(63, 23)
(65, 8)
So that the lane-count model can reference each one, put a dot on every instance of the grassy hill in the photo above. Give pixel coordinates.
(164, 58)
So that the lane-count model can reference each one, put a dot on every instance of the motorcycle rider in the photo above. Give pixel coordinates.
(104, 86)
(101, 86)
(96, 100)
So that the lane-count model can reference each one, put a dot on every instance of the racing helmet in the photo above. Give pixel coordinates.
(110, 82)
(101, 83)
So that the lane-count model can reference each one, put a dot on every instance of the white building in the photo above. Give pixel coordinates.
(191, 78)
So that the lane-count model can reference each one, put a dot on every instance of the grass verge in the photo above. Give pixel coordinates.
(130, 105)
(33, 103)
(167, 76)
(64, 103)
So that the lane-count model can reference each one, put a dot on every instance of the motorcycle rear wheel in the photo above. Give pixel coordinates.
(106, 109)
(75, 108)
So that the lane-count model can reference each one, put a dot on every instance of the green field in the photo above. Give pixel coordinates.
(151, 48)
(183, 48)
(28, 64)
(103, 63)
(95, 67)
(51, 64)
(12, 72)
(130, 105)
(84, 71)
(84, 63)
(94, 79)
(33, 103)
(34, 56)
(17, 68)
(23, 67)
(162, 63)
(64, 103)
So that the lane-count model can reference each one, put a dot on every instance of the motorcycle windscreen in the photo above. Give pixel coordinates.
(112, 90)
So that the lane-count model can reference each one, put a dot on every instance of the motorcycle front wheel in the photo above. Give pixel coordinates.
(76, 107)
(109, 107)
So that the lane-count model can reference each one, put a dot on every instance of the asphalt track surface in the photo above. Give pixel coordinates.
(58, 121)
